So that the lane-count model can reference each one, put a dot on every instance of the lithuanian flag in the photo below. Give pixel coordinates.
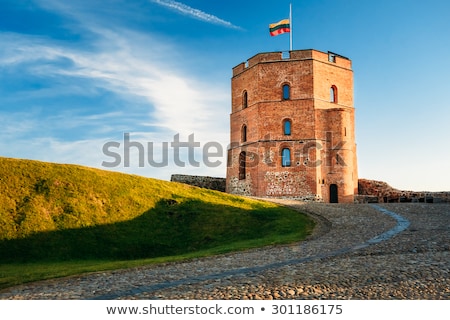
(280, 27)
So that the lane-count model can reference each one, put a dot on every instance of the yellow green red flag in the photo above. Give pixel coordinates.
(280, 27)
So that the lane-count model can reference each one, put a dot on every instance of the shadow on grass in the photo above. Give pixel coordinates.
(171, 228)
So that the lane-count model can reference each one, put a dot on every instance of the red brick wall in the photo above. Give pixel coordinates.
(315, 163)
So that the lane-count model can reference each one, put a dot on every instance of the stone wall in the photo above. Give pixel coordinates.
(370, 191)
(211, 183)
(379, 191)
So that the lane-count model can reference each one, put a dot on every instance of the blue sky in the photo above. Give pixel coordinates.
(76, 75)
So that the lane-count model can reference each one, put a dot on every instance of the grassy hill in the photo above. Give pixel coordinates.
(51, 213)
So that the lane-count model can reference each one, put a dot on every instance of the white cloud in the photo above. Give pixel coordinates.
(194, 13)
(131, 65)
(17, 125)
(177, 102)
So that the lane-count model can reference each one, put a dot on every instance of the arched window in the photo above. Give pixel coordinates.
(244, 133)
(242, 159)
(244, 100)
(333, 94)
(287, 127)
(286, 157)
(286, 92)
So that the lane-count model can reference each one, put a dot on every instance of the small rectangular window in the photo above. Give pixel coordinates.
(332, 57)
(287, 127)
(244, 99)
(286, 92)
(333, 94)
(286, 158)
(242, 159)
(244, 133)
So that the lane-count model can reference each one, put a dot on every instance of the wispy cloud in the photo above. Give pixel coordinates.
(153, 96)
(120, 65)
(194, 13)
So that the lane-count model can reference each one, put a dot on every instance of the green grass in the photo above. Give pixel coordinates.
(59, 220)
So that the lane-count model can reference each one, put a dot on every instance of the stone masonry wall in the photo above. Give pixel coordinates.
(211, 183)
(370, 191)
(379, 191)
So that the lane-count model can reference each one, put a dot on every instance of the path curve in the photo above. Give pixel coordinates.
(356, 236)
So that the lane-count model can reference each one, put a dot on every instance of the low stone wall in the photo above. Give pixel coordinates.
(370, 191)
(211, 183)
(378, 191)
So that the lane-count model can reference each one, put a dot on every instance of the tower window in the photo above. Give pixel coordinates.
(244, 100)
(333, 94)
(244, 133)
(286, 92)
(331, 57)
(286, 157)
(287, 127)
(242, 157)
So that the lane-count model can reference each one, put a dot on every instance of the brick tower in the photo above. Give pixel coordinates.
(292, 127)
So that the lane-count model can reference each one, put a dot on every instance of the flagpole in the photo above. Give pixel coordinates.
(290, 21)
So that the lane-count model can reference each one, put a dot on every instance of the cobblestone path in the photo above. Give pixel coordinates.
(389, 251)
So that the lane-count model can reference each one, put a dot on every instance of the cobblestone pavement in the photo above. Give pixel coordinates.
(346, 258)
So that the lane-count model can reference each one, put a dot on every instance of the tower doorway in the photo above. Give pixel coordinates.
(333, 193)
